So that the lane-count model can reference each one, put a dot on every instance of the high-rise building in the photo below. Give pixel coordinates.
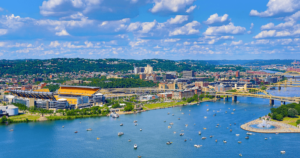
(188, 74)
(237, 74)
(148, 69)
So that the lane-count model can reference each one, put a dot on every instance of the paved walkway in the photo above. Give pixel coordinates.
(280, 127)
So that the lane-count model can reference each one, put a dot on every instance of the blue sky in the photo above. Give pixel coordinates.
(142, 29)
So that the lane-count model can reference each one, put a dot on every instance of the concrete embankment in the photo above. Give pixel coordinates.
(279, 127)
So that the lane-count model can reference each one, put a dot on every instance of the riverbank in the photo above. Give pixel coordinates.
(172, 104)
(279, 127)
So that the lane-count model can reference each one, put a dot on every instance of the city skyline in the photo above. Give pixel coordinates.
(142, 29)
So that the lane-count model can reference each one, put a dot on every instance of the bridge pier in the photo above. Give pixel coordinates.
(271, 102)
(226, 98)
(282, 102)
(279, 88)
(234, 98)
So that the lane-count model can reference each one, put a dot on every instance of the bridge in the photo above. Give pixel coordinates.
(257, 93)
(135, 90)
(291, 73)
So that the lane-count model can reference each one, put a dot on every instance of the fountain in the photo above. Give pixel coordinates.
(264, 124)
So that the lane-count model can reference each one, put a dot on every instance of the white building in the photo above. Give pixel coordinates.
(11, 110)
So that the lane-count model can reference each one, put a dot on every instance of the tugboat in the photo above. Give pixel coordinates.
(135, 146)
(120, 133)
(121, 124)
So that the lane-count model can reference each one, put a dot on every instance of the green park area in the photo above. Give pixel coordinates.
(163, 105)
(288, 114)
(23, 117)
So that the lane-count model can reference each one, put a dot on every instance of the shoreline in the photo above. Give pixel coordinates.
(280, 127)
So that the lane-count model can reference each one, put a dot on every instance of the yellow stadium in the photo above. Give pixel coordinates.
(77, 90)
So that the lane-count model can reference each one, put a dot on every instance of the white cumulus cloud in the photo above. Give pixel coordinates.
(225, 29)
(215, 18)
(191, 9)
(178, 19)
(187, 29)
(62, 33)
(170, 5)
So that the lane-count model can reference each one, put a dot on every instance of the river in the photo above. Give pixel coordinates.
(50, 140)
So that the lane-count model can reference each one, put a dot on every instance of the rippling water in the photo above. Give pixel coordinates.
(49, 139)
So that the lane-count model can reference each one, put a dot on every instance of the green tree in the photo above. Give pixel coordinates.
(292, 112)
(279, 117)
(298, 122)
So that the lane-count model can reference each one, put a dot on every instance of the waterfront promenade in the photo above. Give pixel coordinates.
(279, 127)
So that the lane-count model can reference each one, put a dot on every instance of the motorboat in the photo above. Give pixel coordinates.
(217, 124)
(248, 133)
(120, 133)
(232, 113)
(229, 124)
(181, 134)
(135, 146)
(135, 124)
(141, 129)
(282, 152)
(174, 132)
(168, 143)
(199, 132)
(11, 130)
(203, 138)
(121, 124)
(139, 156)
(216, 140)
(211, 136)
(197, 146)
(207, 109)
(182, 113)
(171, 123)
(168, 113)
(247, 137)
(230, 130)
(237, 135)
(129, 140)
(215, 114)
(233, 109)
(169, 127)
(63, 126)
(234, 123)
(239, 142)
(186, 125)
(89, 129)
(266, 138)
(98, 138)
(172, 114)
(76, 132)
(135, 121)
(113, 115)
(185, 140)
(179, 118)
(204, 128)
(205, 117)
(165, 121)
(240, 155)
(226, 112)
(224, 141)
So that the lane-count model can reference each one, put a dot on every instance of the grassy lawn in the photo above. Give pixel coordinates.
(204, 99)
(289, 120)
(22, 117)
(161, 105)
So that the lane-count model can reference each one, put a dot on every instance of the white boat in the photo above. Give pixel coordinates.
(239, 142)
(203, 138)
(199, 132)
(248, 133)
(205, 117)
(113, 115)
(120, 133)
(135, 121)
(186, 125)
(129, 140)
(169, 127)
(63, 126)
(240, 155)
(89, 129)
(237, 135)
(135, 124)
(197, 146)
(266, 138)
(181, 134)
(135, 146)
(171, 123)
(282, 152)
(224, 141)
(233, 109)
(140, 129)
(207, 109)
(121, 124)
(232, 113)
